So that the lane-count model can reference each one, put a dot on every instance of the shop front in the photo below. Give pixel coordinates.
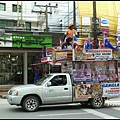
(17, 52)
(15, 66)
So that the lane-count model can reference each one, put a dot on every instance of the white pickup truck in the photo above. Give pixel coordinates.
(56, 88)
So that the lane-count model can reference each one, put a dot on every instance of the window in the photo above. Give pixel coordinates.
(7, 24)
(2, 24)
(2, 7)
(14, 8)
(28, 26)
(59, 80)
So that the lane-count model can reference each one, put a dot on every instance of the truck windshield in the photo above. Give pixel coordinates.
(43, 80)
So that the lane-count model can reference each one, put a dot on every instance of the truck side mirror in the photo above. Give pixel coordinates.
(49, 83)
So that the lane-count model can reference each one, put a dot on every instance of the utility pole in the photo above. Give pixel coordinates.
(95, 26)
(74, 14)
(20, 22)
(46, 12)
(18, 15)
(68, 13)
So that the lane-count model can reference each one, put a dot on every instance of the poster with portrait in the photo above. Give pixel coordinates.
(66, 67)
(94, 71)
(83, 91)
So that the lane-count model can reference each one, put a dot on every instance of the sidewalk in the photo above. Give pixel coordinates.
(3, 101)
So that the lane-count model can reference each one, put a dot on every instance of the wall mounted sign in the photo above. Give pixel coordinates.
(85, 20)
(26, 40)
(104, 22)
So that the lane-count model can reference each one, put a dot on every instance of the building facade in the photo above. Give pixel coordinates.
(19, 51)
(21, 48)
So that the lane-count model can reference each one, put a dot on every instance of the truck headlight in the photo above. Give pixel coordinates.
(14, 92)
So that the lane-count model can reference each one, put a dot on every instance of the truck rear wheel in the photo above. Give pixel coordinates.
(30, 104)
(97, 102)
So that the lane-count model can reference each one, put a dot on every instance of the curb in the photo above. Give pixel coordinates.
(4, 96)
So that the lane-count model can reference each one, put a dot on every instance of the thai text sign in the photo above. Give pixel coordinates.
(26, 40)
(111, 89)
(101, 52)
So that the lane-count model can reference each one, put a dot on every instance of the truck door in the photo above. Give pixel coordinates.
(59, 90)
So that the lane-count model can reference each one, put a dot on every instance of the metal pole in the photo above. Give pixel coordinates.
(46, 19)
(73, 51)
(74, 22)
(95, 26)
(18, 14)
(68, 13)
(21, 10)
(46, 12)
(74, 14)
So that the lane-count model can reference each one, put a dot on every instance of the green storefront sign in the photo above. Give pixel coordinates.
(27, 40)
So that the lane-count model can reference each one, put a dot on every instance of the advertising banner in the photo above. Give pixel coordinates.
(94, 71)
(83, 91)
(60, 55)
(66, 67)
(26, 40)
(101, 53)
(111, 89)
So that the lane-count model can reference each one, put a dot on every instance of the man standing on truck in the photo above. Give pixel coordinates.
(68, 37)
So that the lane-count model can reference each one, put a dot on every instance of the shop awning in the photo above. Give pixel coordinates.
(35, 64)
(57, 63)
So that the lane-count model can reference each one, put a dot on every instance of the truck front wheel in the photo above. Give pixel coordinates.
(30, 104)
(97, 102)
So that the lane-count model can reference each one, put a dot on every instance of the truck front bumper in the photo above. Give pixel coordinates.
(14, 100)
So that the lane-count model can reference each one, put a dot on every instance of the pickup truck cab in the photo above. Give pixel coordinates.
(54, 88)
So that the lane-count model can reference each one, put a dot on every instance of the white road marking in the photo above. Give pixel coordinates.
(62, 114)
(104, 116)
(116, 108)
